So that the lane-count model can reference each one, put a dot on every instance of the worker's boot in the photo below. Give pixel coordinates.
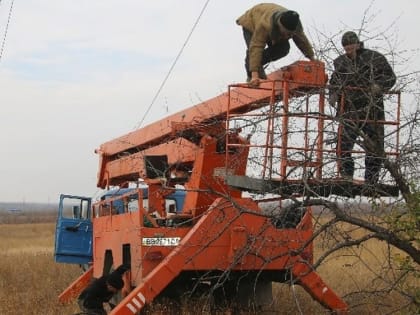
(261, 73)
(347, 177)
(248, 76)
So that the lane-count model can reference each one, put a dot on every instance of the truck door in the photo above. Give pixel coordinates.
(73, 234)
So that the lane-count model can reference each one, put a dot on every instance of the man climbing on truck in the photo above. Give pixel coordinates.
(271, 25)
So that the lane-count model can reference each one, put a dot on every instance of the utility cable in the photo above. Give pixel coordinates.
(173, 64)
(7, 27)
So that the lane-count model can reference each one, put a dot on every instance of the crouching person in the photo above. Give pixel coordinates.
(100, 291)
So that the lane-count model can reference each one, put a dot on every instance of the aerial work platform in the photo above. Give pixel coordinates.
(182, 219)
(291, 152)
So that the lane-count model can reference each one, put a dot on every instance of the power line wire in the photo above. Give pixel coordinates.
(7, 27)
(173, 65)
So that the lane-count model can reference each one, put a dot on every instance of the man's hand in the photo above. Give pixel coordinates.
(375, 89)
(107, 307)
(312, 58)
(332, 100)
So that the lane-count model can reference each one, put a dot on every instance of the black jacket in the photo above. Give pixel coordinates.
(96, 294)
(368, 68)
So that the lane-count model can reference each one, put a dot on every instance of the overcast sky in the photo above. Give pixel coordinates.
(75, 74)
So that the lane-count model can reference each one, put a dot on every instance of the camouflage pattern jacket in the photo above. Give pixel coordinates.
(356, 77)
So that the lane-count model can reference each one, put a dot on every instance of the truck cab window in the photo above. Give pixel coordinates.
(75, 208)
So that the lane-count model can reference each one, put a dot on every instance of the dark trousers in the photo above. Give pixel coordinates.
(362, 123)
(90, 311)
(270, 53)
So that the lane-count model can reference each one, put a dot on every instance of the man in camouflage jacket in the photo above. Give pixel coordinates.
(360, 78)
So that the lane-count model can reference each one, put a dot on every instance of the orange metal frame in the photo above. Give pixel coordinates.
(115, 166)
(240, 241)
(76, 287)
(281, 92)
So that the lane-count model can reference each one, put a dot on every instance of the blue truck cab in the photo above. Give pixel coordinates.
(74, 228)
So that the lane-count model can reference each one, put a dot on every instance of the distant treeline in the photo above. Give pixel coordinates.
(27, 206)
(25, 212)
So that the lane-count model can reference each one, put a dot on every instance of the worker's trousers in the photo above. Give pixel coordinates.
(96, 311)
(270, 53)
(363, 124)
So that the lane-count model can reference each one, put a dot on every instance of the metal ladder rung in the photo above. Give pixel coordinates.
(303, 163)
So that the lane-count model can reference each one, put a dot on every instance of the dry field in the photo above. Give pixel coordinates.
(30, 280)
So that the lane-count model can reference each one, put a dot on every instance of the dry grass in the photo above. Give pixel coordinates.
(41, 216)
(30, 280)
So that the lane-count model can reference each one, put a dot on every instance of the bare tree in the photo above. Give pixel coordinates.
(369, 233)
(371, 240)
(355, 229)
